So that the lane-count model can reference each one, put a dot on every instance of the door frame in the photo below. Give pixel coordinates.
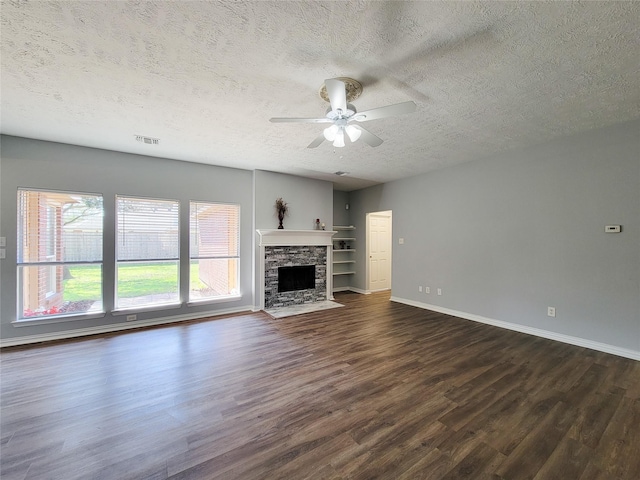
(389, 215)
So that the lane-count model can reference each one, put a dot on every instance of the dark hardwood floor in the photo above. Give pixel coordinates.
(373, 390)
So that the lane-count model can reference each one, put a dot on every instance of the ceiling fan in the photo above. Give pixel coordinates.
(341, 114)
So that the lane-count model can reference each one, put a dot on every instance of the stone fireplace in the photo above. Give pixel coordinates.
(285, 251)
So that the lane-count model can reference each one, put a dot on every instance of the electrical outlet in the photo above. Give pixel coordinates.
(131, 318)
(551, 311)
(401, 241)
(3, 253)
(3, 241)
(427, 289)
(439, 291)
(419, 288)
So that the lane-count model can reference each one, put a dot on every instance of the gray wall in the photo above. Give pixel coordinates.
(307, 199)
(341, 216)
(508, 236)
(46, 165)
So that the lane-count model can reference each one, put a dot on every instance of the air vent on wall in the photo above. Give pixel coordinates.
(341, 173)
(148, 140)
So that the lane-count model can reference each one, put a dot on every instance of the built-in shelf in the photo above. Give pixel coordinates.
(343, 264)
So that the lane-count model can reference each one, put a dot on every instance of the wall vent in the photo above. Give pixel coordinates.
(148, 140)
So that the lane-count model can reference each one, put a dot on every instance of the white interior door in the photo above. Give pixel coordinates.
(379, 251)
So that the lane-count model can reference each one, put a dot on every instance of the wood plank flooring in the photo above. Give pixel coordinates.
(374, 390)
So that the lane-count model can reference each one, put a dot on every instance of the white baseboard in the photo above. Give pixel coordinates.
(341, 289)
(559, 337)
(116, 327)
(352, 289)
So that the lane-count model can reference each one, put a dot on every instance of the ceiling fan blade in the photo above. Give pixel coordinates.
(337, 94)
(369, 138)
(300, 120)
(319, 139)
(382, 112)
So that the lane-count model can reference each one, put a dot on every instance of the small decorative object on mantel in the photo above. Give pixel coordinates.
(323, 226)
(317, 224)
(281, 209)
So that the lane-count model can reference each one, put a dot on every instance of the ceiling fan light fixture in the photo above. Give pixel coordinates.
(340, 113)
(331, 132)
(353, 132)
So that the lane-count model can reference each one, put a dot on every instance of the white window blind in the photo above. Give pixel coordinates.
(214, 232)
(59, 255)
(147, 229)
(147, 252)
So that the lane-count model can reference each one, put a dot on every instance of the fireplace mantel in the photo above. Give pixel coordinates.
(295, 237)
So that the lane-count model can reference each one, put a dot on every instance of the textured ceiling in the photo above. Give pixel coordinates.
(205, 77)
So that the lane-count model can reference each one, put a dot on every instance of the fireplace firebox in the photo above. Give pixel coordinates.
(300, 277)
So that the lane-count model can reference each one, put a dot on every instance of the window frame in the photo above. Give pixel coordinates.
(51, 264)
(123, 310)
(220, 298)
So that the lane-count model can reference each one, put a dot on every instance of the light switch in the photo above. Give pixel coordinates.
(3, 253)
(401, 241)
(3, 241)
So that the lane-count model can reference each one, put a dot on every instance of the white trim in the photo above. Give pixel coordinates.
(118, 312)
(559, 337)
(81, 332)
(360, 291)
(351, 289)
(295, 237)
(341, 289)
(31, 321)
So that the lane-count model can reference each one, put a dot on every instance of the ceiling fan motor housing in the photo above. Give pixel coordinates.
(334, 115)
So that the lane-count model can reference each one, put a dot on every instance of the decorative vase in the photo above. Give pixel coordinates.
(280, 217)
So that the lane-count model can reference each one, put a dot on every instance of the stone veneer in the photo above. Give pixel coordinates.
(291, 256)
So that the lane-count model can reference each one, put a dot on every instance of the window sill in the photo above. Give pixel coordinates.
(29, 322)
(209, 301)
(145, 308)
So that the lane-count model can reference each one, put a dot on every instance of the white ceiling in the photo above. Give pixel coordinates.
(205, 77)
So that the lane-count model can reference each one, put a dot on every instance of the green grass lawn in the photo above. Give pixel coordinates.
(134, 280)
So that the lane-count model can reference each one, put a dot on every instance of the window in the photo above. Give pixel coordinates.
(59, 253)
(214, 231)
(147, 252)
